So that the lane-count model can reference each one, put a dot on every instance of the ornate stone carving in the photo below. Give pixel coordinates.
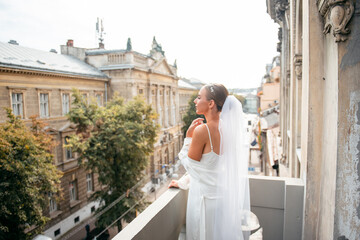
(337, 14)
(280, 7)
(156, 47)
(298, 66)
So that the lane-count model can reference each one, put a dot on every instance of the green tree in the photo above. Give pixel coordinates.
(190, 114)
(27, 175)
(115, 142)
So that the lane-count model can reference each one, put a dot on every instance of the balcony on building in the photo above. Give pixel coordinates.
(277, 203)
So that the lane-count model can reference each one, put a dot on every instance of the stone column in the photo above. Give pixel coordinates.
(177, 109)
(312, 115)
(166, 108)
(172, 105)
(293, 110)
(158, 104)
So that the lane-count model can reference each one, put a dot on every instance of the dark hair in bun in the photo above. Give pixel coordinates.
(218, 93)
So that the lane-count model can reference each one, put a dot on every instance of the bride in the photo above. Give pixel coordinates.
(215, 156)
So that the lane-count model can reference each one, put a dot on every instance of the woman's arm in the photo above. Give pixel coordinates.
(182, 183)
(198, 142)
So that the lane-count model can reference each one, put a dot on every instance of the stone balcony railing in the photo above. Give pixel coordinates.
(277, 203)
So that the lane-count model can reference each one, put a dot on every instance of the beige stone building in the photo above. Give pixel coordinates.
(320, 111)
(34, 82)
(270, 93)
(132, 73)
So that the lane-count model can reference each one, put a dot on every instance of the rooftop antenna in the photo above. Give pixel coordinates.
(100, 32)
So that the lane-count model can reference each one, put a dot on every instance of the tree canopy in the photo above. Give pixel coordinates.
(27, 175)
(115, 142)
(190, 114)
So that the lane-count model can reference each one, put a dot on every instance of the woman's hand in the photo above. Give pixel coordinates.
(173, 184)
(193, 125)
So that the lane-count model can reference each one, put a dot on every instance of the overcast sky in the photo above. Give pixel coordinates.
(224, 41)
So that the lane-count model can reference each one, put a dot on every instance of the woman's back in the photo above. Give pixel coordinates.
(212, 138)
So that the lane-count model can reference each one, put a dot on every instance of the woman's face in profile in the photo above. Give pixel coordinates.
(201, 102)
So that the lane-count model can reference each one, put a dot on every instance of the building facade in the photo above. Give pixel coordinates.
(270, 94)
(320, 110)
(150, 76)
(34, 82)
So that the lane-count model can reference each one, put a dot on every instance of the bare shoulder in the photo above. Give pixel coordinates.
(200, 132)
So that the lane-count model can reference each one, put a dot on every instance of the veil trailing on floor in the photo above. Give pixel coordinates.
(233, 202)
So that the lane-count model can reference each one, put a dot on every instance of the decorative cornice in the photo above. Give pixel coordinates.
(337, 14)
(298, 66)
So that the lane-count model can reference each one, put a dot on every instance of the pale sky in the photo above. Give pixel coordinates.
(223, 41)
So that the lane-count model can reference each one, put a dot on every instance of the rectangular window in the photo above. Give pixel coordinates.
(77, 219)
(44, 105)
(89, 182)
(17, 104)
(65, 103)
(99, 99)
(73, 191)
(141, 91)
(52, 203)
(68, 150)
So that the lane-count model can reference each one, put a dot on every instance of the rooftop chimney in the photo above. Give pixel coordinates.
(70, 43)
(53, 50)
(14, 42)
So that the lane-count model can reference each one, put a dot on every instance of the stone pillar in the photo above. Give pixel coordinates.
(158, 104)
(173, 107)
(312, 115)
(298, 76)
(177, 110)
(166, 108)
(292, 94)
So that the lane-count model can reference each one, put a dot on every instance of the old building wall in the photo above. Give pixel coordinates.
(31, 84)
(347, 203)
(320, 106)
(271, 93)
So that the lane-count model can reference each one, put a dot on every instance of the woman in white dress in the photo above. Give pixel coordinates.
(215, 157)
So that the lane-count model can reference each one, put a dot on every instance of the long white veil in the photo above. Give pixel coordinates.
(233, 204)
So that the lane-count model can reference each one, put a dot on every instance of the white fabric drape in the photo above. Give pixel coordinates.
(233, 203)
